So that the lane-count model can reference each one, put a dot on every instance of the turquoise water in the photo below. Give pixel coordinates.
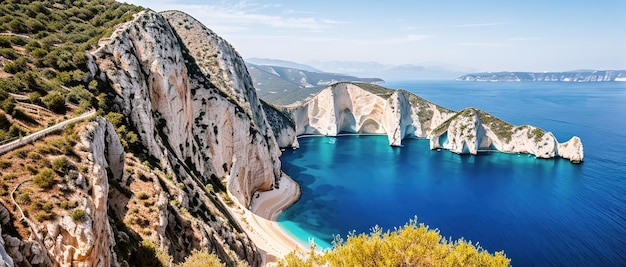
(540, 212)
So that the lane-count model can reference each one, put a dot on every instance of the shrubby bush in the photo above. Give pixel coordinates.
(55, 101)
(79, 215)
(44, 178)
(412, 245)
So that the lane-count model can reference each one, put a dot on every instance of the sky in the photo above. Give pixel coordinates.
(530, 35)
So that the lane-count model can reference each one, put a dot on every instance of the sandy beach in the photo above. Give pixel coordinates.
(260, 220)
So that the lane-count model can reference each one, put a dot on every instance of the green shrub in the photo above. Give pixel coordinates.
(31, 168)
(229, 201)
(67, 205)
(54, 101)
(24, 196)
(4, 164)
(146, 255)
(200, 259)
(9, 53)
(5, 41)
(22, 153)
(18, 40)
(208, 188)
(39, 53)
(34, 155)
(44, 178)
(9, 176)
(143, 196)
(79, 215)
(411, 245)
(44, 216)
(60, 164)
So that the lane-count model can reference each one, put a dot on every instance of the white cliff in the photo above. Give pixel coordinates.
(190, 98)
(90, 242)
(572, 150)
(179, 111)
(362, 108)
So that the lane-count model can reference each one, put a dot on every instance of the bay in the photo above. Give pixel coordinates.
(540, 212)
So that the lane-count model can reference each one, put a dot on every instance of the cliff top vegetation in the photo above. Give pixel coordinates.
(43, 70)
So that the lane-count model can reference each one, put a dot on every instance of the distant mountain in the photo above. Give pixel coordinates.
(568, 76)
(281, 63)
(430, 71)
(282, 85)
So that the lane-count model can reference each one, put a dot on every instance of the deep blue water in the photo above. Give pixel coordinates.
(540, 212)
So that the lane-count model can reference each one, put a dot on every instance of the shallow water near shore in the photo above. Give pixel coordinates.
(540, 212)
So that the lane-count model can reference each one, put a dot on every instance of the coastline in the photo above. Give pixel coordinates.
(260, 223)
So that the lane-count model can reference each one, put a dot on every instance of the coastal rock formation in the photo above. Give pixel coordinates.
(572, 150)
(568, 76)
(471, 131)
(369, 109)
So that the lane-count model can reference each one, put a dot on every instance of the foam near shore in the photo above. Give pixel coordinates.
(260, 220)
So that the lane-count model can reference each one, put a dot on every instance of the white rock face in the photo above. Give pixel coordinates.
(189, 96)
(473, 130)
(341, 108)
(572, 150)
(208, 119)
(91, 242)
(348, 108)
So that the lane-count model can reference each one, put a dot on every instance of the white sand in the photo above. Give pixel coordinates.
(260, 221)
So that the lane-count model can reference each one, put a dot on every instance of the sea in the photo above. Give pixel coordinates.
(540, 212)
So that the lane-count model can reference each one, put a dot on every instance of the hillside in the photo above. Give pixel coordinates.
(44, 75)
(567, 76)
(282, 85)
(95, 194)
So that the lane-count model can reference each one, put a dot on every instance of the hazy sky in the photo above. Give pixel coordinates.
(528, 35)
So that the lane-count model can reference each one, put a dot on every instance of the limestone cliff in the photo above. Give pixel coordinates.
(363, 108)
(473, 130)
(190, 98)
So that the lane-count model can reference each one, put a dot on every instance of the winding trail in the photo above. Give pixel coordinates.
(37, 135)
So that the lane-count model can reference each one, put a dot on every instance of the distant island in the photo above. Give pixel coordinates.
(567, 76)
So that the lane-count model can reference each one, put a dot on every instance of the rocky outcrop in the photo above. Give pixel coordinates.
(189, 97)
(17, 252)
(368, 109)
(472, 130)
(572, 150)
(180, 113)
(282, 126)
(5, 259)
(90, 242)
(68, 241)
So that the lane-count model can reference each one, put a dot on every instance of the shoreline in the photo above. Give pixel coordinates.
(260, 223)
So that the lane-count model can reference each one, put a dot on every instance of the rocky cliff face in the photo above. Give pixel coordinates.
(359, 108)
(90, 242)
(190, 98)
(181, 115)
(67, 241)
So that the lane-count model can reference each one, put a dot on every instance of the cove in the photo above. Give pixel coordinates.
(525, 206)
